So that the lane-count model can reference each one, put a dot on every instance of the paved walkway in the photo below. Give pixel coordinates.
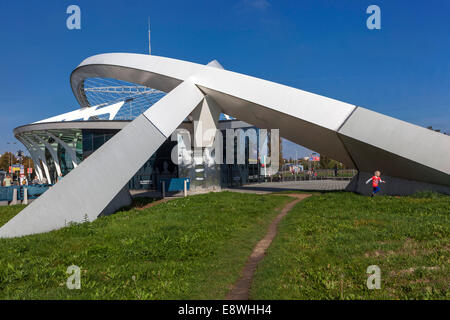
(262, 188)
(241, 289)
(311, 185)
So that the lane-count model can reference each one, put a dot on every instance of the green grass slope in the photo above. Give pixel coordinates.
(189, 248)
(8, 212)
(326, 243)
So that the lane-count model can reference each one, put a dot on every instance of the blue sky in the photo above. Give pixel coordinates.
(402, 70)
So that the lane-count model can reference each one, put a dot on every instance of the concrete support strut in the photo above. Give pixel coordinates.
(40, 156)
(52, 152)
(37, 167)
(87, 190)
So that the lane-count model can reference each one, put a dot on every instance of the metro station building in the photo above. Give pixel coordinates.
(131, 105)
(60, 143)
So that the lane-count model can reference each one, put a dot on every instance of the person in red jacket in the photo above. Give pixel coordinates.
(376, 180)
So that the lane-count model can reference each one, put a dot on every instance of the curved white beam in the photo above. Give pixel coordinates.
(352, 135)
(37, 167)
(68, 149)
(41, 155)
(262, 103)
(86, 113)
(52, 152)
(88, 189)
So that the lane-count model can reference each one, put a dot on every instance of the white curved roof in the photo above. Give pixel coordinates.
(353, 135)
(328, 126)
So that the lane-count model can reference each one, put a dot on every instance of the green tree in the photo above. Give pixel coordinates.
(6, 159)
(9, 158)
(328, 163)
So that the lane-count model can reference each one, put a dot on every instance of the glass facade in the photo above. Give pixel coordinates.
(94, 139)
(234, 175)
(64, 160)
(157, 167)
(148, 176)
(83, 142)
(51, 165)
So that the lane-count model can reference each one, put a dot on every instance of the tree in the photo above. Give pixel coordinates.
(9, 158)
(328, 163)
(6, 160)
(437, 130)
(325, 162)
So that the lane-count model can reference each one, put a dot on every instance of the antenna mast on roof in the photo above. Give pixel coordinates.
(149, 42)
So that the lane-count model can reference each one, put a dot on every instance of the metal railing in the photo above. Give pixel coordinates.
(33, 191)
(322, 174)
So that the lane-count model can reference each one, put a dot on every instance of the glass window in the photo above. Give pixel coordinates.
(87, 141)
(98, 140)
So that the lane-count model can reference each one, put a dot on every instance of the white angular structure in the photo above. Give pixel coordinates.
(355, 136)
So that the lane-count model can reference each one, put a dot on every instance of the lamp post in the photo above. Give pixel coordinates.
(10, 155)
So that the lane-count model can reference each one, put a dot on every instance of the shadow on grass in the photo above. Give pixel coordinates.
(139, 203)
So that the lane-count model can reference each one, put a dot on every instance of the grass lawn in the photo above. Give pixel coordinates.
(189, 248)
(326, 243)
(7, 212)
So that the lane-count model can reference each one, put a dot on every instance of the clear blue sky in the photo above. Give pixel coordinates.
(402, 70)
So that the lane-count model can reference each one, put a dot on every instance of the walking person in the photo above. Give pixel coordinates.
(35, 180)
(7, 182)
(376, 180)
(23, 181)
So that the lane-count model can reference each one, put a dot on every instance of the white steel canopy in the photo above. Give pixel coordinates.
(414, 157)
